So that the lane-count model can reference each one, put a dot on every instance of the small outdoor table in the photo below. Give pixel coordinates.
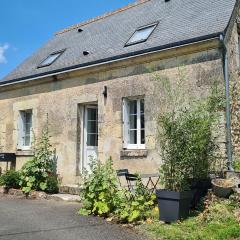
(151, 180)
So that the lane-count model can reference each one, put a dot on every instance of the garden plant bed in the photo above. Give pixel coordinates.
(218, 219)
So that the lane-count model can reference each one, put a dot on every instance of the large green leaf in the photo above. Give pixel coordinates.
(32, 179)
(43, 186)
(134, 216)
(84, 212)
(26, 189)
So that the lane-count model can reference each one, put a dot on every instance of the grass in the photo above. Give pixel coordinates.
(216, 221)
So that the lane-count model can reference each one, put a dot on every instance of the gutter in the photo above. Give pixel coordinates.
(228, 107)
(112, 59)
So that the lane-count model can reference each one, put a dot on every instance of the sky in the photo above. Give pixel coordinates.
(25, 25)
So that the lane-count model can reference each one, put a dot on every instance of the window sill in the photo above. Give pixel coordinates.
(138, 153)
(24, 152)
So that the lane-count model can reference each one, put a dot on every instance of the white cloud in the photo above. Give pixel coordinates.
(3, 49)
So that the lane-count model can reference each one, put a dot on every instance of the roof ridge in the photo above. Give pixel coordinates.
(108, 14)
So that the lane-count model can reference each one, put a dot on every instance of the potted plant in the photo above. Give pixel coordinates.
(222, 187)
(187, 149)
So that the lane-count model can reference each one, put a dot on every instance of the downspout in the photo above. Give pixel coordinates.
(228, 107)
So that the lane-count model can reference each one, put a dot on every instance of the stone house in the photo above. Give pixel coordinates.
(95, 81)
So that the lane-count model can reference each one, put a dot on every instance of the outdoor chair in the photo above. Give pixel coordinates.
(121, 173)
(131, 180)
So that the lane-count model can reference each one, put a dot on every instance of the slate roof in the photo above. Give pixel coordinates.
(104, 37)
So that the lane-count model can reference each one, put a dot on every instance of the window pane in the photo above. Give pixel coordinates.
(27, 127)
(133, 121)
(28, 123)
(92, 140)
(142, 122)
(92, 127)
(92, 113)
(50, 59)
(27, 140)
(133, 107)
(133, 136)
(142, 106)
(143, 136)
(141, 34)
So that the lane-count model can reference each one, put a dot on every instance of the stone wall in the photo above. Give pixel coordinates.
(234, 61)
(60, 99)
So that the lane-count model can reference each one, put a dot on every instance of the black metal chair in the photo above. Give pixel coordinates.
(121, 173)
(131, 179)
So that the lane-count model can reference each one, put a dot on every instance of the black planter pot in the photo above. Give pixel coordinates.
(200, 189)
(173, 206)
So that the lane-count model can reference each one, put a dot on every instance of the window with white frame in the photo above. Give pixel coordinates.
(25, 129)
(133, 123)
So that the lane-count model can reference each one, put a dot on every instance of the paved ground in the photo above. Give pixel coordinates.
(51, 220)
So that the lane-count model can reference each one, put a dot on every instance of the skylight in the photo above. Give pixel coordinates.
(141, 35)
(51, 59)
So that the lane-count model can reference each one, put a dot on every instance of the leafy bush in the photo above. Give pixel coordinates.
(52, 185)
(10, 179)
(34, 175)
(99, 190)
(187, 144)
(136, 207)
(236, 165)
(102, 196)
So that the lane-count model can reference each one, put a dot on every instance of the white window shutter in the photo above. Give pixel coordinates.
(125, 122)
(20, 129)
(31, 131)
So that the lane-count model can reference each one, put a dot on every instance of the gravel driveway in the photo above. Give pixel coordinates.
(42, 220)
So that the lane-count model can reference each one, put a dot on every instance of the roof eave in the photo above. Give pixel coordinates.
(112, 59)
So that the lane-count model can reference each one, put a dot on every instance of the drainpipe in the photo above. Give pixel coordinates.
(228, 107)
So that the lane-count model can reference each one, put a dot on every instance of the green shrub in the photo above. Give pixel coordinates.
(34, 175)
(1, 181)
(99, 191)
(236, 165)
(10, 179)
(137, 206)
(102, 196)
(187, 144)
(52, 185)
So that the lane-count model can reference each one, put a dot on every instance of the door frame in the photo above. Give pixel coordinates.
(84, 133)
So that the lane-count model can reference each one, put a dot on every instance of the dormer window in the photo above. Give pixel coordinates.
(50, 59)
(141, 34)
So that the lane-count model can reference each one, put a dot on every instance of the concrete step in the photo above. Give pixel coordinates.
(64, 197)
(70, 189)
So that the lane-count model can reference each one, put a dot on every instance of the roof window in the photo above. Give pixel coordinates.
(50, 59)
(141, 34)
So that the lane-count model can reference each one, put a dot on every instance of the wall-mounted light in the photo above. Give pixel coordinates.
(105, 92)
